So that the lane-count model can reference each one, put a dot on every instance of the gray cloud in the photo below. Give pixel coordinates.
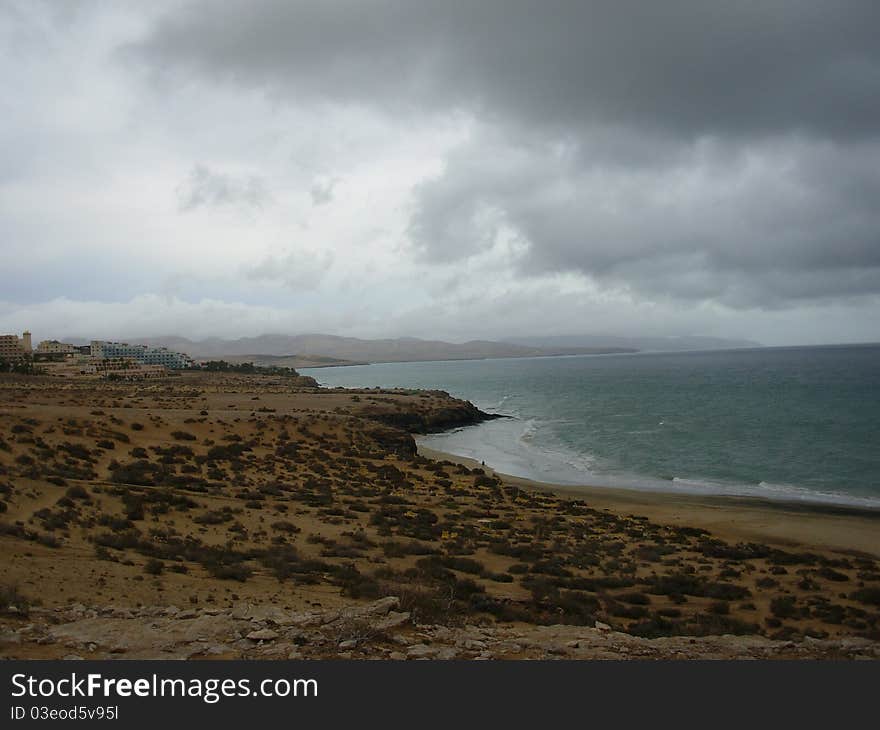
(205, 187)
(707, 151)
(300, 270)
(752, 225)
(688, 67)
(322, 191)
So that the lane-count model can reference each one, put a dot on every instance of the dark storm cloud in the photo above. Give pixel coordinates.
(688, 66)
(756, 226)
(694, 149)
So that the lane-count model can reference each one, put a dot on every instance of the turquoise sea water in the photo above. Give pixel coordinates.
(784, 423)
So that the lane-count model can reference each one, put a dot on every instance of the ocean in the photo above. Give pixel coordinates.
(789, 423)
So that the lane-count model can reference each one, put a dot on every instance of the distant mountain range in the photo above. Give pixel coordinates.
(315, 350)
(661, 344)
(331, 350)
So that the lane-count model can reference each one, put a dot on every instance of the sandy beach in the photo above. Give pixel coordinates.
(734, 518)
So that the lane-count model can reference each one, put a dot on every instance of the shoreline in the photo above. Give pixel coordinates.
(836, 527)
(470, 446)
(314, 502)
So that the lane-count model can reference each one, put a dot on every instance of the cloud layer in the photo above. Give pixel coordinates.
(388, 167)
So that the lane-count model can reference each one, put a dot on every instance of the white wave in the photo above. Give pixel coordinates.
(530, 430)
(527, 449)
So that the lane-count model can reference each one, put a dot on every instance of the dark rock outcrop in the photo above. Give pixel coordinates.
(454, 414)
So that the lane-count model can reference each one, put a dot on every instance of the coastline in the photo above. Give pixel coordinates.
(839, 528)
(282, 504)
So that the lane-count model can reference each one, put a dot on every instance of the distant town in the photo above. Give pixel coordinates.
(112, 360)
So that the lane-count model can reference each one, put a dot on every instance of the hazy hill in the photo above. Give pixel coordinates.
(353, 349)
(637, 343)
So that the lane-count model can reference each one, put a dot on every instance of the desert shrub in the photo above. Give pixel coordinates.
(49, 541)
(653, 627)
(619, 610)
(783, 607)
(870, 596)
(287, 450)
(286, 527)
(77, 491)
(528, 553)
(713, 624)
(498, 577)
(106, 444)
(154, 567)
(121, 540)
(634, 599)
(553, 566)
(740, 551)
(140, 472)
(174, 454)
(483, 481)
(228, 452)
(13, 602)
(464, 565)
(726, 591)
(781, 557)
(117, 524)
(686, 584)
(359, 586)
(214, 517)
(102, 553)
(77, 451)
(831, 574)
(229, 570)
(134, 507)
(183, 436)
(394, 549)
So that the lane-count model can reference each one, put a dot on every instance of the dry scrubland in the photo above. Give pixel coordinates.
(215, 515)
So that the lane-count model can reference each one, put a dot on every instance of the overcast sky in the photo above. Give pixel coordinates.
(441, 169)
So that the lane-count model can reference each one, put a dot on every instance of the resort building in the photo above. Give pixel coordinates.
(13, 347)
(141, 353)
(113, 369)
(54, 347)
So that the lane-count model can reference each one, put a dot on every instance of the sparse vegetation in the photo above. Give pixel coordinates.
(214, 495)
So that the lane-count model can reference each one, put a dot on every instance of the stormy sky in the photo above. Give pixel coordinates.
(441, 169)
